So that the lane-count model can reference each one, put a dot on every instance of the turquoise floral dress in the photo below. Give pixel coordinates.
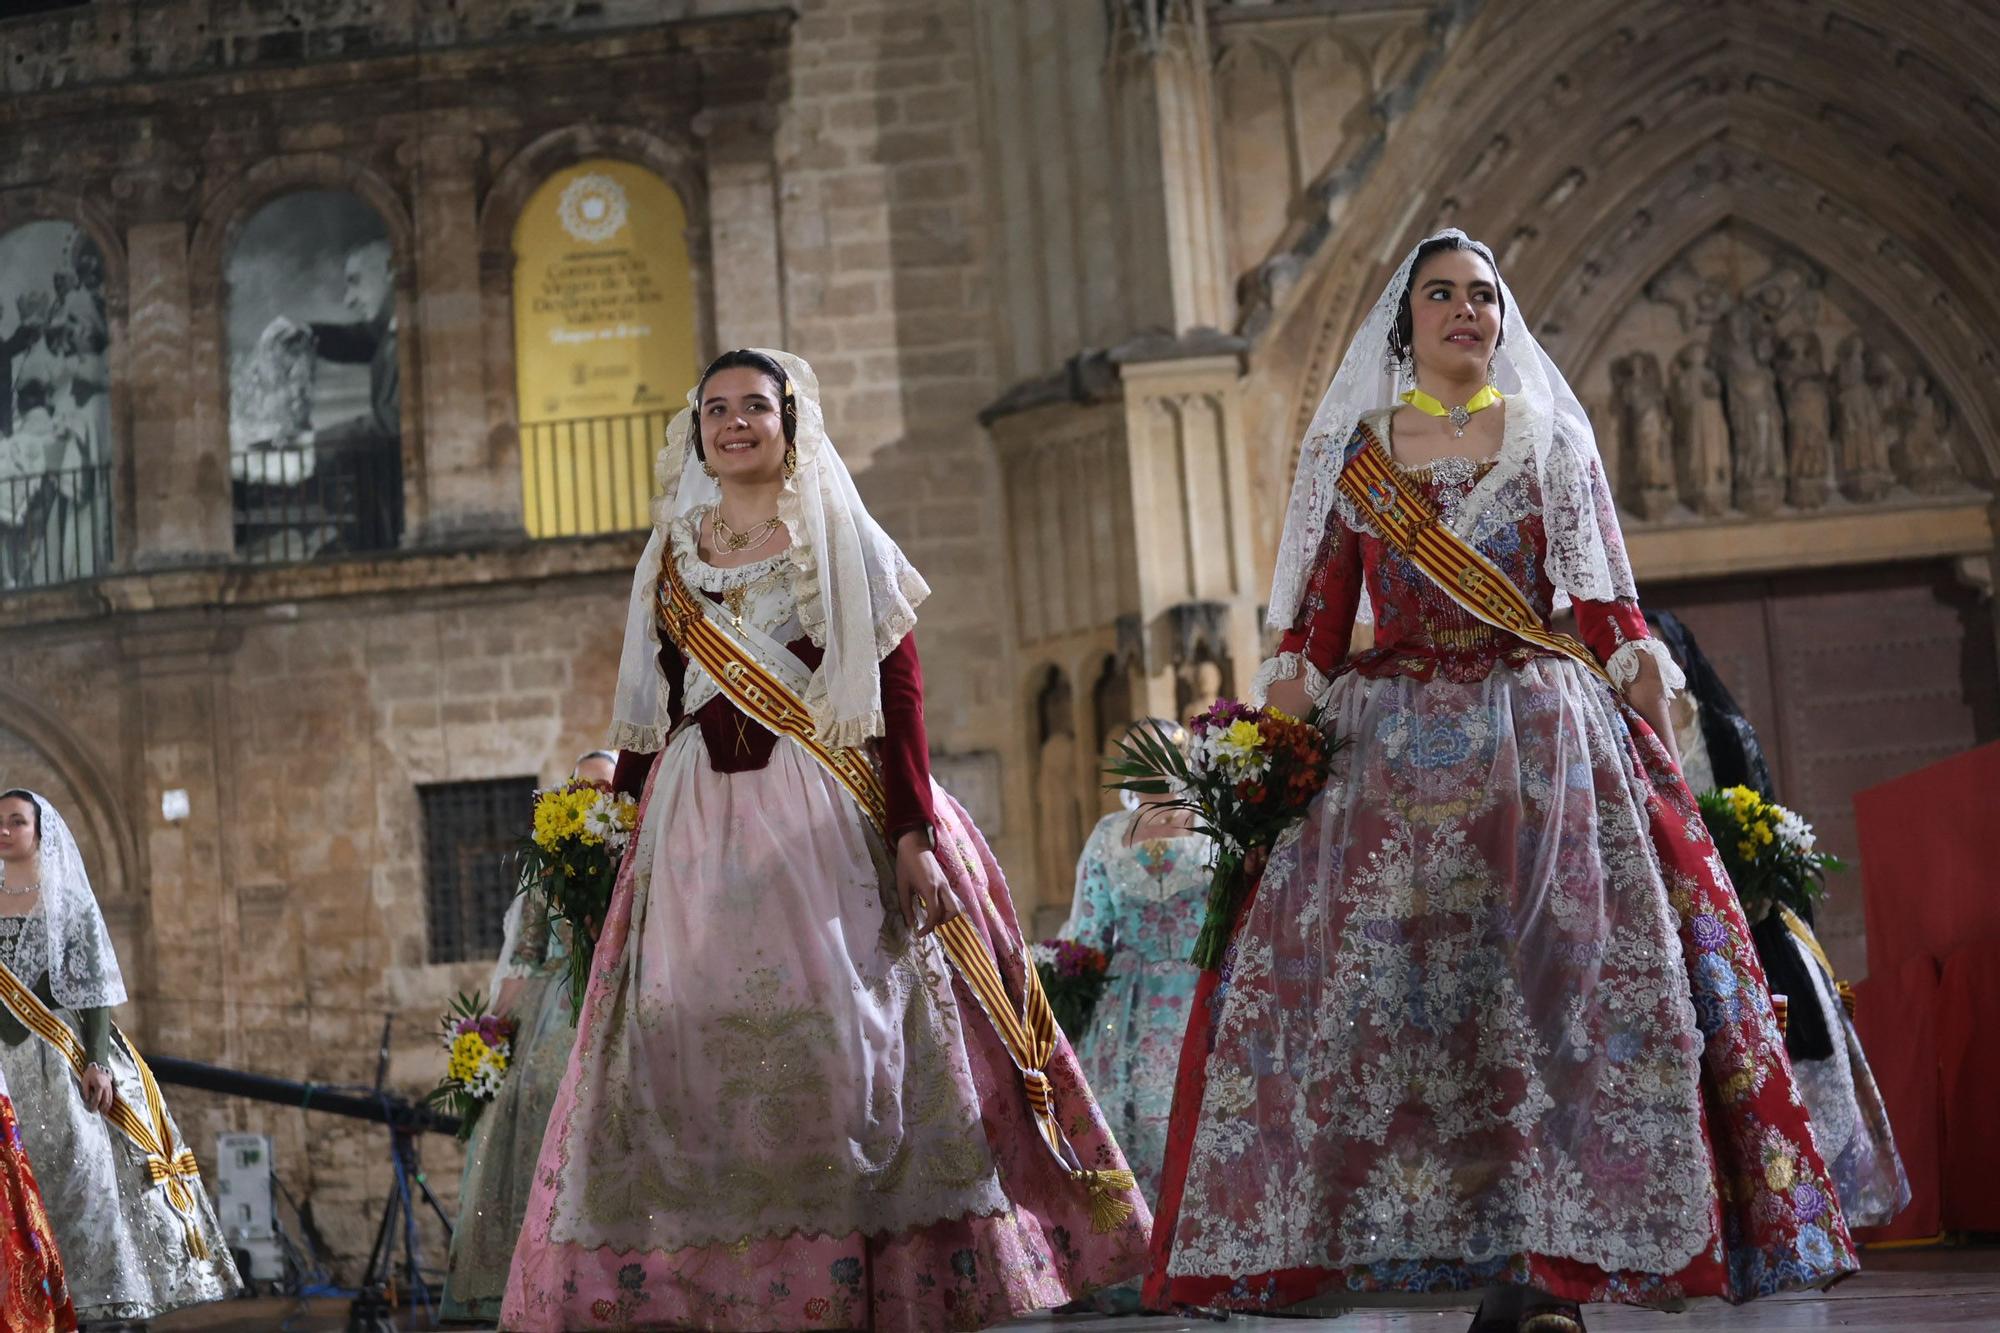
(1142, 906)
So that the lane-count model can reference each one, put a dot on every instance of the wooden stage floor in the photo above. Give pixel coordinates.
(1904, 1291)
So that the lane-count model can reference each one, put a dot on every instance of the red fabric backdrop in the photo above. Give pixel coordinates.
(1930, 866)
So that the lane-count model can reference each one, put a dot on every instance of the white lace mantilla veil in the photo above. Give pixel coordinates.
(857, 593)
(83, 967)
(1548, 459)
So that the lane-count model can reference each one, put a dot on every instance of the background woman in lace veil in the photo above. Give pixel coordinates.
(1850, 1119)
(784, 1108)
(131, 1250)
(1492, 1018)
(529, 985)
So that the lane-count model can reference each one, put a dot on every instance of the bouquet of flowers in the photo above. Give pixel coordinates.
(1073, 977)
(479, 1045)
(572, 861)
(1248, 776)
(1767, 850)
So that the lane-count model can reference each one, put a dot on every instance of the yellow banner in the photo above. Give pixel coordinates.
(604, 342)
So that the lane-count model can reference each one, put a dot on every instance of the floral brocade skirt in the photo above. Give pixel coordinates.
(34, 1298)
(1492, 1016)
(781, 1111)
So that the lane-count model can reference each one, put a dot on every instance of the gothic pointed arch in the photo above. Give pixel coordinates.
(1605, 149)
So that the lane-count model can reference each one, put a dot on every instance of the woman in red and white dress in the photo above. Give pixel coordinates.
(1492, 1020)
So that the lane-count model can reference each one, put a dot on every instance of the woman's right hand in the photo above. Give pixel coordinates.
(99, 1092)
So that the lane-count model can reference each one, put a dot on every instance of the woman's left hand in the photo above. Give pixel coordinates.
(98, 1090)
(925, 895)
(1648, 696)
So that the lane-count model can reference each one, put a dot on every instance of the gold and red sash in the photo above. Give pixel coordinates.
(1026, 1029)
(168, 1164)
(1843, 991)
(1409, 524)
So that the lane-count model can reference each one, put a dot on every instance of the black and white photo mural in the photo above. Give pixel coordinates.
(315, 393)
(55, 414)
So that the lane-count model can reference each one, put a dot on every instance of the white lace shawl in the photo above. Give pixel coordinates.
(83, 967)
(1548, 460)
(857, 593)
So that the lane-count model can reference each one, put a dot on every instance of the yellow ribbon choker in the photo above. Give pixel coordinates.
(1458, 416)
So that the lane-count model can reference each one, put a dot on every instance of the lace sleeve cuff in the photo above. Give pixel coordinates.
(1286, 666)
(1623, 667)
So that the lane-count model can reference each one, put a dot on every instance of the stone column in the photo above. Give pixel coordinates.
(180, 676)
(746, 294)
(1173, 173)
(465, 491)
(180, 474)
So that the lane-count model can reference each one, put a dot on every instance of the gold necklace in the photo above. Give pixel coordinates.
(1459, 417)
(729, 539)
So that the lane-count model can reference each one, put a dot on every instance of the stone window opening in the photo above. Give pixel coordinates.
(472, 831)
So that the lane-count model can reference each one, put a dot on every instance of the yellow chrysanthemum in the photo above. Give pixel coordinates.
(468, 1052)
(1244, 735)
(1746, 850)
(559, 817)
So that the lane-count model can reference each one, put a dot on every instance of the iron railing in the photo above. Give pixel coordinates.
(589, 476)
(55, 527)
(329, 498)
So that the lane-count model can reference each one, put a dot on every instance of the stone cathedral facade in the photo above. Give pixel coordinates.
(288, 543)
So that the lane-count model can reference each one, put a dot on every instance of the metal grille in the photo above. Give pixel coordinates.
(305, 502)
(471, 831)
(589, 476)
(55, 527)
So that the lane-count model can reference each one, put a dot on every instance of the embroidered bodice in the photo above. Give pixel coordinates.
(1494, 506)
(761, 596)
(758, 595)
(1141, 902)
(24, 947)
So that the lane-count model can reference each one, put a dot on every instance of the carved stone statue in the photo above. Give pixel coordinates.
(1927, 465)
(1701, 432)
(1755, 426)
(1699, 301)
(1892, 393)
(1863, 446)
(1808, 420)
(1642, 422)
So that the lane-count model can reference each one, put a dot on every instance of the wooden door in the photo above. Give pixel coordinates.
(1851, 677)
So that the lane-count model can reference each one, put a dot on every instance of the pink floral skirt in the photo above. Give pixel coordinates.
(667, 1195)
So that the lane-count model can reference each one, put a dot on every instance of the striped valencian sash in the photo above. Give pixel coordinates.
(1843, 991)
(169, 1165)
(1026, 1029)
(1412, 528)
